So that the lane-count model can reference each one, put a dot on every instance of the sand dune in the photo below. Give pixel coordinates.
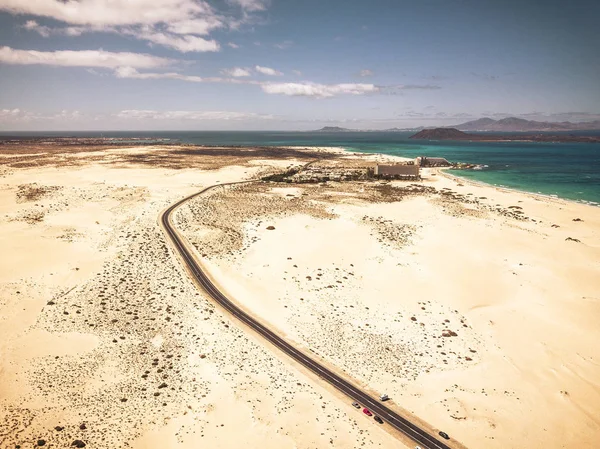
(104, 339)
(474, 308)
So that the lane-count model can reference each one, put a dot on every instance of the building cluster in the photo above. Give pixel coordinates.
(397, 171)
(409, 170)
(323, 174)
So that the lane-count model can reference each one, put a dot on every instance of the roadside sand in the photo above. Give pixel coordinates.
(467, 304)
(466, 311)
(105, 340)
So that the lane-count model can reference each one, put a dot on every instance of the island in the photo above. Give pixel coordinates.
(455, 134)
(333, 129)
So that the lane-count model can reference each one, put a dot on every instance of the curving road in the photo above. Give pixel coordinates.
(420, 436)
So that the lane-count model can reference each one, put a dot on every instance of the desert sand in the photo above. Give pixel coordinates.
(474, 308)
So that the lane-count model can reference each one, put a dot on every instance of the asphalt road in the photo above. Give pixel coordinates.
(420, 436)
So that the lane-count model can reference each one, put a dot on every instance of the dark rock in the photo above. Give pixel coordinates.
(78, 443)
(41, 442)
(449, 333)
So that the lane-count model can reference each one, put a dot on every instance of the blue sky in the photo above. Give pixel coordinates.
(289, 65)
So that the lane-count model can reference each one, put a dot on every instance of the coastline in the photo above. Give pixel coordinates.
(467, 259)
(558, 199)
(444, 172)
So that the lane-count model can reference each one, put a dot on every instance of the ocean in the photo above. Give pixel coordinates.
(565, 170)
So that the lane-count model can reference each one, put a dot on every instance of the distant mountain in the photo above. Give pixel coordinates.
(333, 129)
(441, 134)
(514, 124)
(509, 124)
(476, 125)
(402, 130)
(338, 129)
(455, 134)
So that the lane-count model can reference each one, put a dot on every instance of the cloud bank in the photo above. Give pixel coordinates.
(267, 71)
(179, 24)
(189, 115)
(318, 90)
(82, 58)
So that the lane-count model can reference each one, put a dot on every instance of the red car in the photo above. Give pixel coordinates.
(367, 412)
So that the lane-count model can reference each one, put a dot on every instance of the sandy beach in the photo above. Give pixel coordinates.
(474, 308)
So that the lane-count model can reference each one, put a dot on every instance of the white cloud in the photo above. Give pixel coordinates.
(251, 5)
(21, 116)
(81, 58)
(198, 26)
(236, 72)
(32, 25)
(188, 115)
(132, 73)
(9, 113)
(73, 31)
(45, 31)
(171, 23)
(179, 41)
(11, 118)
(297, 72)
(365, 73)
(283, 45)
(232, 45)
(111, 13)
(267, 71)
(318, 90)
(184, 44)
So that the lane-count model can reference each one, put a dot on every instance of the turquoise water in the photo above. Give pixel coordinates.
(567, 170)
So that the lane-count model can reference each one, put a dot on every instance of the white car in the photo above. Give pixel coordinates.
(384, 397)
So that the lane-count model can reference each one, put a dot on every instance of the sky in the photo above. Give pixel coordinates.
(78, 65)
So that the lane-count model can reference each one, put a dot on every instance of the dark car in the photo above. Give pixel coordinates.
(378, 419)
(444, 435)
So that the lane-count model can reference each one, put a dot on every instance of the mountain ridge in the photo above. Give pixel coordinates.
(455, 134)
(508, 124)
(515, 124)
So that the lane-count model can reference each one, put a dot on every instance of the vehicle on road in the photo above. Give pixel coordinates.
(355, 405)
(378, 419)
(367, 412)
(384, 397)
(444, 435)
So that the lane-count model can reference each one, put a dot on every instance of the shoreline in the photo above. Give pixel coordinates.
(443, 172)
(458, 178)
